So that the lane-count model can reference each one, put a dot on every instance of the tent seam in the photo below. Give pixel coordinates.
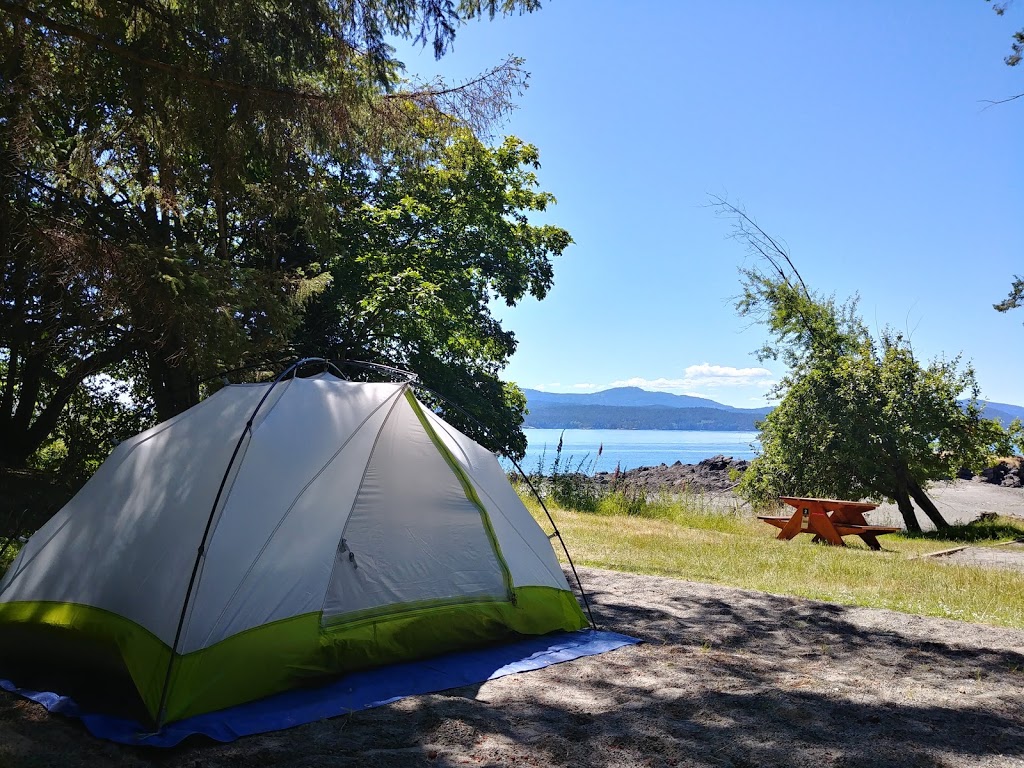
(14, 572)
(554, 574)
(195, 582)
(362, 478)
(467, 486)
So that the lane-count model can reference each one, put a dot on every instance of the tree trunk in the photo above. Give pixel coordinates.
(926, 504)
(15, 451)
(906, 508)
(172, 384)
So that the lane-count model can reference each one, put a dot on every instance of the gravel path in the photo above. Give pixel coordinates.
(1002, 556)
(726, 677)
(959, 501)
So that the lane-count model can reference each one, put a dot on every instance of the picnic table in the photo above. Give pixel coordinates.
(829, 520)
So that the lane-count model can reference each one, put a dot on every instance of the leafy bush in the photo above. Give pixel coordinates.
(8, 551)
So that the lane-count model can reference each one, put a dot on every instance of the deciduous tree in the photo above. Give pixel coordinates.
(858, 416)
(422, 251)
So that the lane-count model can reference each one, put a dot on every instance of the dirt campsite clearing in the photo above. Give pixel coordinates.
(725, 677)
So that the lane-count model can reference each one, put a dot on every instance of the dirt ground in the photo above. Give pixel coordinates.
(726, 677)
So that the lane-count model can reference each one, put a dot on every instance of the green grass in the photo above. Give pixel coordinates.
(694, 540)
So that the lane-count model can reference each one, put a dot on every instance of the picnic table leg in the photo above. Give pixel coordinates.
(871, 540)
(853, 517)
(792, 528)
(818, 538)
(821, 525)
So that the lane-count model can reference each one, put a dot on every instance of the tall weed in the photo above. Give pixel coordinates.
(569, 483)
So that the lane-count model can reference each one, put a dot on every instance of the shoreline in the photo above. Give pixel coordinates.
(961, 500)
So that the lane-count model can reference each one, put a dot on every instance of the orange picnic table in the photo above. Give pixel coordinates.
(829, 520)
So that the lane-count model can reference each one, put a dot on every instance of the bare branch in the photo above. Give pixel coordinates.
(992, 103)
(478, 103)
(756, 238)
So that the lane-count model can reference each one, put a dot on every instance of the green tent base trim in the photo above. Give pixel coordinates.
(348, 620)
(284, 654)
(77, 627)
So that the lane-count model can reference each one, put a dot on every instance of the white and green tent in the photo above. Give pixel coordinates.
(349, 526)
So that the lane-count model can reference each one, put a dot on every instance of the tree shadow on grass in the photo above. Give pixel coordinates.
(978, 531)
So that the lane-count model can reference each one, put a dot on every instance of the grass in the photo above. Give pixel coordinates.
(693, 539)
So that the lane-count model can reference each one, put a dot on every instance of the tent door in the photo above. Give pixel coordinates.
(417, 535)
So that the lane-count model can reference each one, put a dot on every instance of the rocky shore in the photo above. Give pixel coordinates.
(721, 474)
(1009, 473)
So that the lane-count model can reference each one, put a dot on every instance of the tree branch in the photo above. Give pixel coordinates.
(66, 386)
(992, 103)
(492, 88)
(745, 219)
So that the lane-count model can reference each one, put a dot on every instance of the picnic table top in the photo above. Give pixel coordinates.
(832, 504)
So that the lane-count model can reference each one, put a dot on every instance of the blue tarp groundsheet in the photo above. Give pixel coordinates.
(360, 690)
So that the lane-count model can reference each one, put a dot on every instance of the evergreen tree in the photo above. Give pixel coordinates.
(166, 203)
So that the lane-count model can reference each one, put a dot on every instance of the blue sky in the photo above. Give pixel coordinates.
(855, 132)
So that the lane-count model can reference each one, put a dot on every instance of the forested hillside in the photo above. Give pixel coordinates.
(554, 416)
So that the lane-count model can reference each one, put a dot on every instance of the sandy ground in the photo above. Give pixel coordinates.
(726, 677)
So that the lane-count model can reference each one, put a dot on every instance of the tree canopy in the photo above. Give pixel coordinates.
(859, 416)
(181, 183)
(1013, 58)
(1015, 298)
(417, 263)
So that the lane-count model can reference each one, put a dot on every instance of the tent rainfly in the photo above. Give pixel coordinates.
(349, 526)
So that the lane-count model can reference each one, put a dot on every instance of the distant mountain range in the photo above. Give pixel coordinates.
(635, 408)
(1002, 411)
(625, 397)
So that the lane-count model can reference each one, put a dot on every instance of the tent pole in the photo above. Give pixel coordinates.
(410, 377)
(293, 368)
(561, 541)
(328, 366)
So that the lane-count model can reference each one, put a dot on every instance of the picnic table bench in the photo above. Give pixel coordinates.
(829, 520)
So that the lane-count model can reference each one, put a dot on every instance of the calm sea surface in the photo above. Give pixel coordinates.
(633, 448)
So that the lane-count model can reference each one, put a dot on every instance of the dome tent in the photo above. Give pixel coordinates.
(349, 526)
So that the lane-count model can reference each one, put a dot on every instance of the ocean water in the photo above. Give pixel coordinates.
(631, 448)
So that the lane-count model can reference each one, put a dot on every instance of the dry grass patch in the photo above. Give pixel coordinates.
(738, 550)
